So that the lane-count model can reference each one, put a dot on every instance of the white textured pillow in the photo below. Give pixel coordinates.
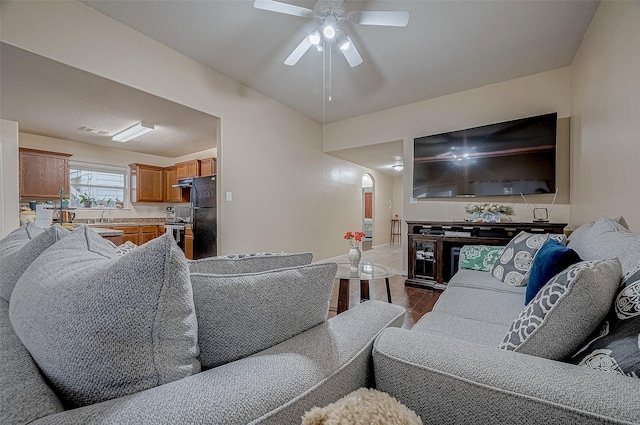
(565, 311)
(18, 250)
(242, 314)
(102, 325)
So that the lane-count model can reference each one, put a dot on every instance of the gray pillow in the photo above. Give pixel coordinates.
(102, 325)
(513, 266)
(242, 314)
(615, 347)
(18, 250)
(565, 311)
(608, 238)
(249, 263)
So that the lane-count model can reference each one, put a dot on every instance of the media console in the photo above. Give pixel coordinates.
(434, 246)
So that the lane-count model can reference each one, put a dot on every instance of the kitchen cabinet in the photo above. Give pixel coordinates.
(188, 243)
(147, 183)
(188, 169)
(131, 234)
(147, 233)
(208, 166)
(174, 194)
(160, 230)
(42, 174)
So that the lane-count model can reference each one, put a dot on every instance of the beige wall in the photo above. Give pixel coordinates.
(605, 105)
(9, 193)
(287, 194)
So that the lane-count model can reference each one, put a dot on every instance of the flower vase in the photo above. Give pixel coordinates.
(354, 257)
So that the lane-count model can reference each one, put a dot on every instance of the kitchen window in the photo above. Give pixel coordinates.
(98, 185)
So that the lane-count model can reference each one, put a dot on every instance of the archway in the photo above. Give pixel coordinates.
(368, 202)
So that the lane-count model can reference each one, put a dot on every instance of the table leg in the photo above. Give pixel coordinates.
(388, 290)
(364, 290)
(343, 296)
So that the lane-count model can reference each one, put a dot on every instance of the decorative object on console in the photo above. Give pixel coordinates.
(354, 240)
(565, 311)
(488, 212)
(616, 346)
(551, 259)
(514, 264)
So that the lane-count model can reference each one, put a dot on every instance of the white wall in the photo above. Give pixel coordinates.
(287, 194)
(605, 105)
(9, 183)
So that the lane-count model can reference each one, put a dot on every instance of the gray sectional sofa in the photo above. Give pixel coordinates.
(450, 370)
(92, 335)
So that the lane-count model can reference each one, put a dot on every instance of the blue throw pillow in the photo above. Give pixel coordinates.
(552, 258)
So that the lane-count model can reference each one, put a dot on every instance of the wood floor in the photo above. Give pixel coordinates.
(416, 301)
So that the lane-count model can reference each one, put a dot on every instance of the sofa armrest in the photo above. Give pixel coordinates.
(274, 386)
(445, 380)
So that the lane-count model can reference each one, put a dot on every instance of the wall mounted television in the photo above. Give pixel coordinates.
(506, 158)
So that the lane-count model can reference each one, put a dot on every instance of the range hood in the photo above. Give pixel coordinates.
(184, 183)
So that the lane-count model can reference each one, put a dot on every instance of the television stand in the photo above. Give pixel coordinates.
(434, 246)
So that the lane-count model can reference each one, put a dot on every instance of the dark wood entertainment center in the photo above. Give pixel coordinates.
(434, 245)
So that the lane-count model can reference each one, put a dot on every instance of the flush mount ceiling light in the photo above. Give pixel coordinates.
(328, 14)
(132, 132)
(398, 167)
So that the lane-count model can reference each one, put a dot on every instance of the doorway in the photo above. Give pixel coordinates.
(368, 188)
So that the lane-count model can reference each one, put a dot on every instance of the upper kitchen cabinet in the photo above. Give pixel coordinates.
(147, 183)
(207, 166)
(173, 194)
(43, 173)
(188, 169)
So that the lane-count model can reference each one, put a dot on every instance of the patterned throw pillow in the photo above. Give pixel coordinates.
(479, 257)
(565, 311)
(616, 346)
(515, 262)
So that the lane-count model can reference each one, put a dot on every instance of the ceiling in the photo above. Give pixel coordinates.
(447, 47)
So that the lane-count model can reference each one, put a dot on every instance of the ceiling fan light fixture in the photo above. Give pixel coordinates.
(329, 26)
(398, 167)
(132, 132)
(314, 38)
(343, 42)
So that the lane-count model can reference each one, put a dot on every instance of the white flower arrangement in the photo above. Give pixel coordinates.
(489, 207)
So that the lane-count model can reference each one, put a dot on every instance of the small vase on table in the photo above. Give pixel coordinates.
(354, 256)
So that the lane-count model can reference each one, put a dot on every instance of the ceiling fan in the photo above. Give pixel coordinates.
(329, 13)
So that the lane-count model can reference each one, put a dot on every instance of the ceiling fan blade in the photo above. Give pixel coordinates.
(351, 54)
(286, 8)
(299, 51)
(385, 18)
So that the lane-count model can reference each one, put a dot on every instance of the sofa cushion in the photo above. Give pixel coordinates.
(608, 238)
(249, 263)
(565, 311)
(242, 314)
(19, 248)
(479, 296)
(551, 259)
(479, 257)
(513, 265)
(102, 325)
(452, 326)
(616, 347)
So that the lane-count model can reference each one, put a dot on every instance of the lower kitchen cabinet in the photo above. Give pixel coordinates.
(147, 233)
(131, 233)
(188, 243)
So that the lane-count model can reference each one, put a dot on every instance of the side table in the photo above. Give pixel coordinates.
(366, 271)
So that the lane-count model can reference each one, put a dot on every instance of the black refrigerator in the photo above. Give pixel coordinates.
(203, 217)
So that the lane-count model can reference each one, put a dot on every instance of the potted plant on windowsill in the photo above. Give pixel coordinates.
(86, 200)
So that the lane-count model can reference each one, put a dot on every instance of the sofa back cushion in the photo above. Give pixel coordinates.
(249, 263)
(565, 311)
(609, 238)
(19, 248)
(242, 314)
(102, 325)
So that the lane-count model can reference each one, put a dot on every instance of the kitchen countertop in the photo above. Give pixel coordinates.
(107, 232)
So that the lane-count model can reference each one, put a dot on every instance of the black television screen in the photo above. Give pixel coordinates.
(507, 158)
